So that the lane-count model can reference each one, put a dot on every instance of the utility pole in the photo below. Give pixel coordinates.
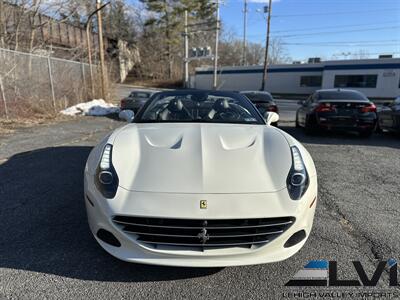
(266, 9)
(245, 11)
(1, 24)
(101, 51)
(186, 59)
(89, 42)
(215, 81)
(89, 49)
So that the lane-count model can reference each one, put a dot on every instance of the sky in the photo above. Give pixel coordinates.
(330, 29)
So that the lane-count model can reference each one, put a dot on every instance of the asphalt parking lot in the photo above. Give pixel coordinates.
(47, 251)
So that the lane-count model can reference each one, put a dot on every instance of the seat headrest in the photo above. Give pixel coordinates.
(175, 105)
(221, 104)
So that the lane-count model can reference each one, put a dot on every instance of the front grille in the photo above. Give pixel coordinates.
(204, 233)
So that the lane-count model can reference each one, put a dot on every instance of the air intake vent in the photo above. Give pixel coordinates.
(204, 233)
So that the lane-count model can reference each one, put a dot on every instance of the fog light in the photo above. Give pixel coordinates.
(108, 238)
(295, 239)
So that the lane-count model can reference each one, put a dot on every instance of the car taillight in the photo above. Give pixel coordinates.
(325, 107)
(123, 103)
(273, 108)
(369, 108)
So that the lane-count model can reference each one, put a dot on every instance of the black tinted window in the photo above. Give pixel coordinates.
(340, 95)
(312, 81)
(259, 97)
(356, 81)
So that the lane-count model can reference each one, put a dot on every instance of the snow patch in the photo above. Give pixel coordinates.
(96, 107)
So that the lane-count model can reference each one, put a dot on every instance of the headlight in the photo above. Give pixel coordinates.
(297, 180)
(106, 178)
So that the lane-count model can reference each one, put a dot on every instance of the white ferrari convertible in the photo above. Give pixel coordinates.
(201, 179)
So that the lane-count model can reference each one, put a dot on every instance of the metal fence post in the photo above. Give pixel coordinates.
(51, 84)
(3, 96)
(84, 80)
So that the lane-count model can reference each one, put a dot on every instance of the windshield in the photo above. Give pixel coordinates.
(207, 107)
(259, 97)
(341, 95)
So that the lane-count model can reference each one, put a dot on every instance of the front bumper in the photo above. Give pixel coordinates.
(186, 206)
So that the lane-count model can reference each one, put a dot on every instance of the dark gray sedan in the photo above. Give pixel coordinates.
(389, 116)
(136, 99)
(338, 109)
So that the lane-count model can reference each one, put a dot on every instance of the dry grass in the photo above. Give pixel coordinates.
(164, 84)
(25, 113)
(9, 126)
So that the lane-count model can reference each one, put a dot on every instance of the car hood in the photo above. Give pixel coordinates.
(201, 158)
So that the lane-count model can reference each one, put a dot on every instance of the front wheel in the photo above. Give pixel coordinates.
(297, 122)
(378, 128)
(366, 133)
(309, 126)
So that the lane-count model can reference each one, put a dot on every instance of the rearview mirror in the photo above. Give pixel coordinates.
(127, 115)
(271, 117)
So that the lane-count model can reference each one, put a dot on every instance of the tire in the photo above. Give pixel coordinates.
(309, 127)
(309, 131)
(297, 122)
(366, 133)
(378, 128)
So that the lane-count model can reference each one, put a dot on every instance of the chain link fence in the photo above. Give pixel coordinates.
(35, 84)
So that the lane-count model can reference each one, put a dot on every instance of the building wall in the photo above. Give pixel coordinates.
(289, 82)
(285, 79)
(388, 72)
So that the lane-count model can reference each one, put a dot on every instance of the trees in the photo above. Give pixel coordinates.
(278, 52)
(154, 27)
(231, 51)
(162, 32)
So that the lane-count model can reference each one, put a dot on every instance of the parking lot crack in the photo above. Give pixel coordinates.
(370, 247)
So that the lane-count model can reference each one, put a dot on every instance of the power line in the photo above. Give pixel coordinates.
(329, 32)
(343, 45)
(337, 13)
(390, 42)
(344, 42)
(328, 27)
(336, 32)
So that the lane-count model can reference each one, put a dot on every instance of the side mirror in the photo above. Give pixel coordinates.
(301, 102)
(127, 115)
(271, 117)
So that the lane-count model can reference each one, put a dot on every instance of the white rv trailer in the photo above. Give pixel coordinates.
(378, 79)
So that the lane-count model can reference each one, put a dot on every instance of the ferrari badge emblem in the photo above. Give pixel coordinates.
(203, 204)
